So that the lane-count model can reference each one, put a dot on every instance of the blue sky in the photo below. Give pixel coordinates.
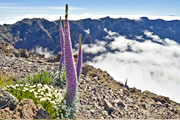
(51, 9)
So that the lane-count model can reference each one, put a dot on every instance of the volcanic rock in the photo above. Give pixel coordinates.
(7, 100)
(26, 109)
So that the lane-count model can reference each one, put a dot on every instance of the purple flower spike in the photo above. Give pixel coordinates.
(71, 75)
(125, 83)
(62, 43)
(79, 62)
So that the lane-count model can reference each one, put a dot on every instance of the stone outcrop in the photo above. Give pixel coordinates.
(26, 109)
(5, 113)
(20, 63)
(7, 100)
(9, 50)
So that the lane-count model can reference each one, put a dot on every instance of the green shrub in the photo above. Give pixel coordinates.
(43, 77)
(56, 78)
(59, 78)
(21, 91)
(47, 105)
(4, 80)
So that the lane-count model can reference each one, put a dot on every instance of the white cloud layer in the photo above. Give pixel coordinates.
(150, 35)
(10, 19)
(37, 8)
(150, 66)
(43, 51)
(94, 48)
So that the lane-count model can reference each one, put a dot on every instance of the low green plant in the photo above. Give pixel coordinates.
(147, 92)
(20, 91)
(48, 106)
(4, 80)
(43, 77)
(59, 78)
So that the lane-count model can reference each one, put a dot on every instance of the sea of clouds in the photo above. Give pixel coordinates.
(152, 66)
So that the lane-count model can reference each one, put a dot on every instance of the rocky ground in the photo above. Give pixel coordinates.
(100, 96)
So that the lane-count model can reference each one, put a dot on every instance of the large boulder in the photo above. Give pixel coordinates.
(7, 100)
(24, 53)
(26, 109)
(108, 105)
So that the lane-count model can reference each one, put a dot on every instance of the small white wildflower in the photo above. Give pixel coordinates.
(27, 85)
(49, 99)
(62, 117)
(39, 90)
(25, 88)
(56, 107)
(32, 86)
(53, 102)
(17, 85)
(57, 101)
(21, 85)
(43, 89)
(66, 115)
(56, 95)
(63, 107)
(12, 86)
(38, 96)
(39, 85)
(47, 87)
(32, 90)
(42, 93)
(49, 95)
(56, 91)
(43, 99)
(35, 94)
(51, 87)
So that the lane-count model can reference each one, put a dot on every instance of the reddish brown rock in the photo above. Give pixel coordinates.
(5, 113)
(26, 109)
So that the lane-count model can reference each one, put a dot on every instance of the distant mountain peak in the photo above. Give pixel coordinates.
(144, 18)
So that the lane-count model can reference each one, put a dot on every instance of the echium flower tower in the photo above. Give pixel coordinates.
(71, 74)
(79, 62)
(62, 44)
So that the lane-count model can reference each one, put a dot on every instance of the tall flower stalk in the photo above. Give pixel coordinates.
(79, 62)
(71, 75)
(62, 44)
(125, 83)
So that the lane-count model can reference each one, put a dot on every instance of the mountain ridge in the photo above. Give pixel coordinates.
(29, 33)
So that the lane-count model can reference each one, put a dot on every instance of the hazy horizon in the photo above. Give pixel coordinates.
(12, 11)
